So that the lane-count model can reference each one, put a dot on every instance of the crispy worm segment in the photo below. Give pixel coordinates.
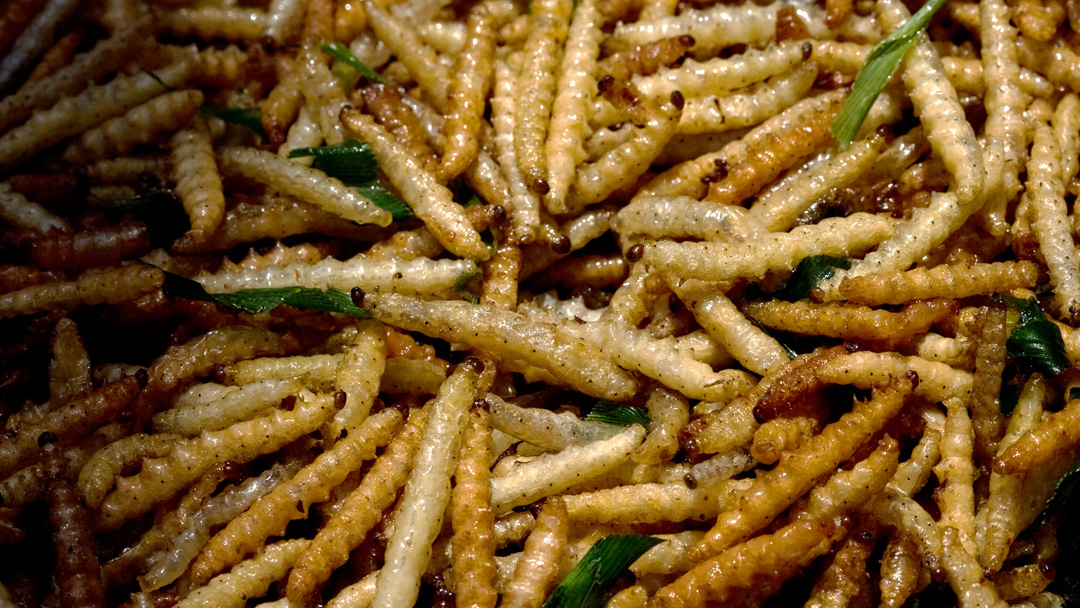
(499, 287)
(475, 68)
(101, 470)
(359, 374)
(937, 381)
(427, 491)
(69, 423)
(523, 203)
(766, 559)
(1001, 512)
(78, 570)
(719, 262)
(1055, 435)
(200, 354)
(538, 568)
(508, 335)
(551, 474)
(473, 520)
(312, 485)
(956, 472)
(636, 349)
(965, 575)
(646, 503)
(668, 414)
(654, 125)
(954, 281)
(799, 379)
(69, 368)
(198, 184)
(360, 512)
(846, 577)
(564, 149)
(106, 56)
(1005, 103)
(142, 124)
(161, 478)
(798, 471)
(431, 201)
(536, 88)
(770, 158)
(715, 76)
(97, 103)
(37, 36)
(250, 578)
(902, 570)
(991, 333)
(850, 321)
(685, 179)
(684, 216)
(302, 182)
(419, 58)
(848, 490)
(1053, 230)
(543, 427)
(17, 210)
(756, 350)
(780, 435)
(712, 29)
(245, 402)
(417, 276)
(780, 204)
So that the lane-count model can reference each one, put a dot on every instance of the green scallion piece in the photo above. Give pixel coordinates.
(589, 584)
(344, 55)
(351, 161)
(388, 202)
(879, 68)
(1035, 342)
(461, 285)
(619, 415)
(266, 299)
(809, 272)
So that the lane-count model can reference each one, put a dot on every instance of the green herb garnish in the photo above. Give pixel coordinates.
(351, 161)
(589, 584)
(461, 285)
(619, 415)
(243, 117)
(935, 594)
(342, 53)
(387, 202)
(877, 71)
(266, 299)
(810, 272)
(1035, 342)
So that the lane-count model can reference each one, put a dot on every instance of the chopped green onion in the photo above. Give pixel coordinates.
(266, 299)
(589, 584)
(344, 55)
(461, 285)
(810, 271)
(351, 161)
(877, 71)
(1035, 342)
(243, 117)
(619, 415)
(387, 201)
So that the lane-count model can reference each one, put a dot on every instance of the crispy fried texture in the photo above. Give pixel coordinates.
(769, 558)
(538, 567)
(775, 490)
(472, 518)
(850, 321)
